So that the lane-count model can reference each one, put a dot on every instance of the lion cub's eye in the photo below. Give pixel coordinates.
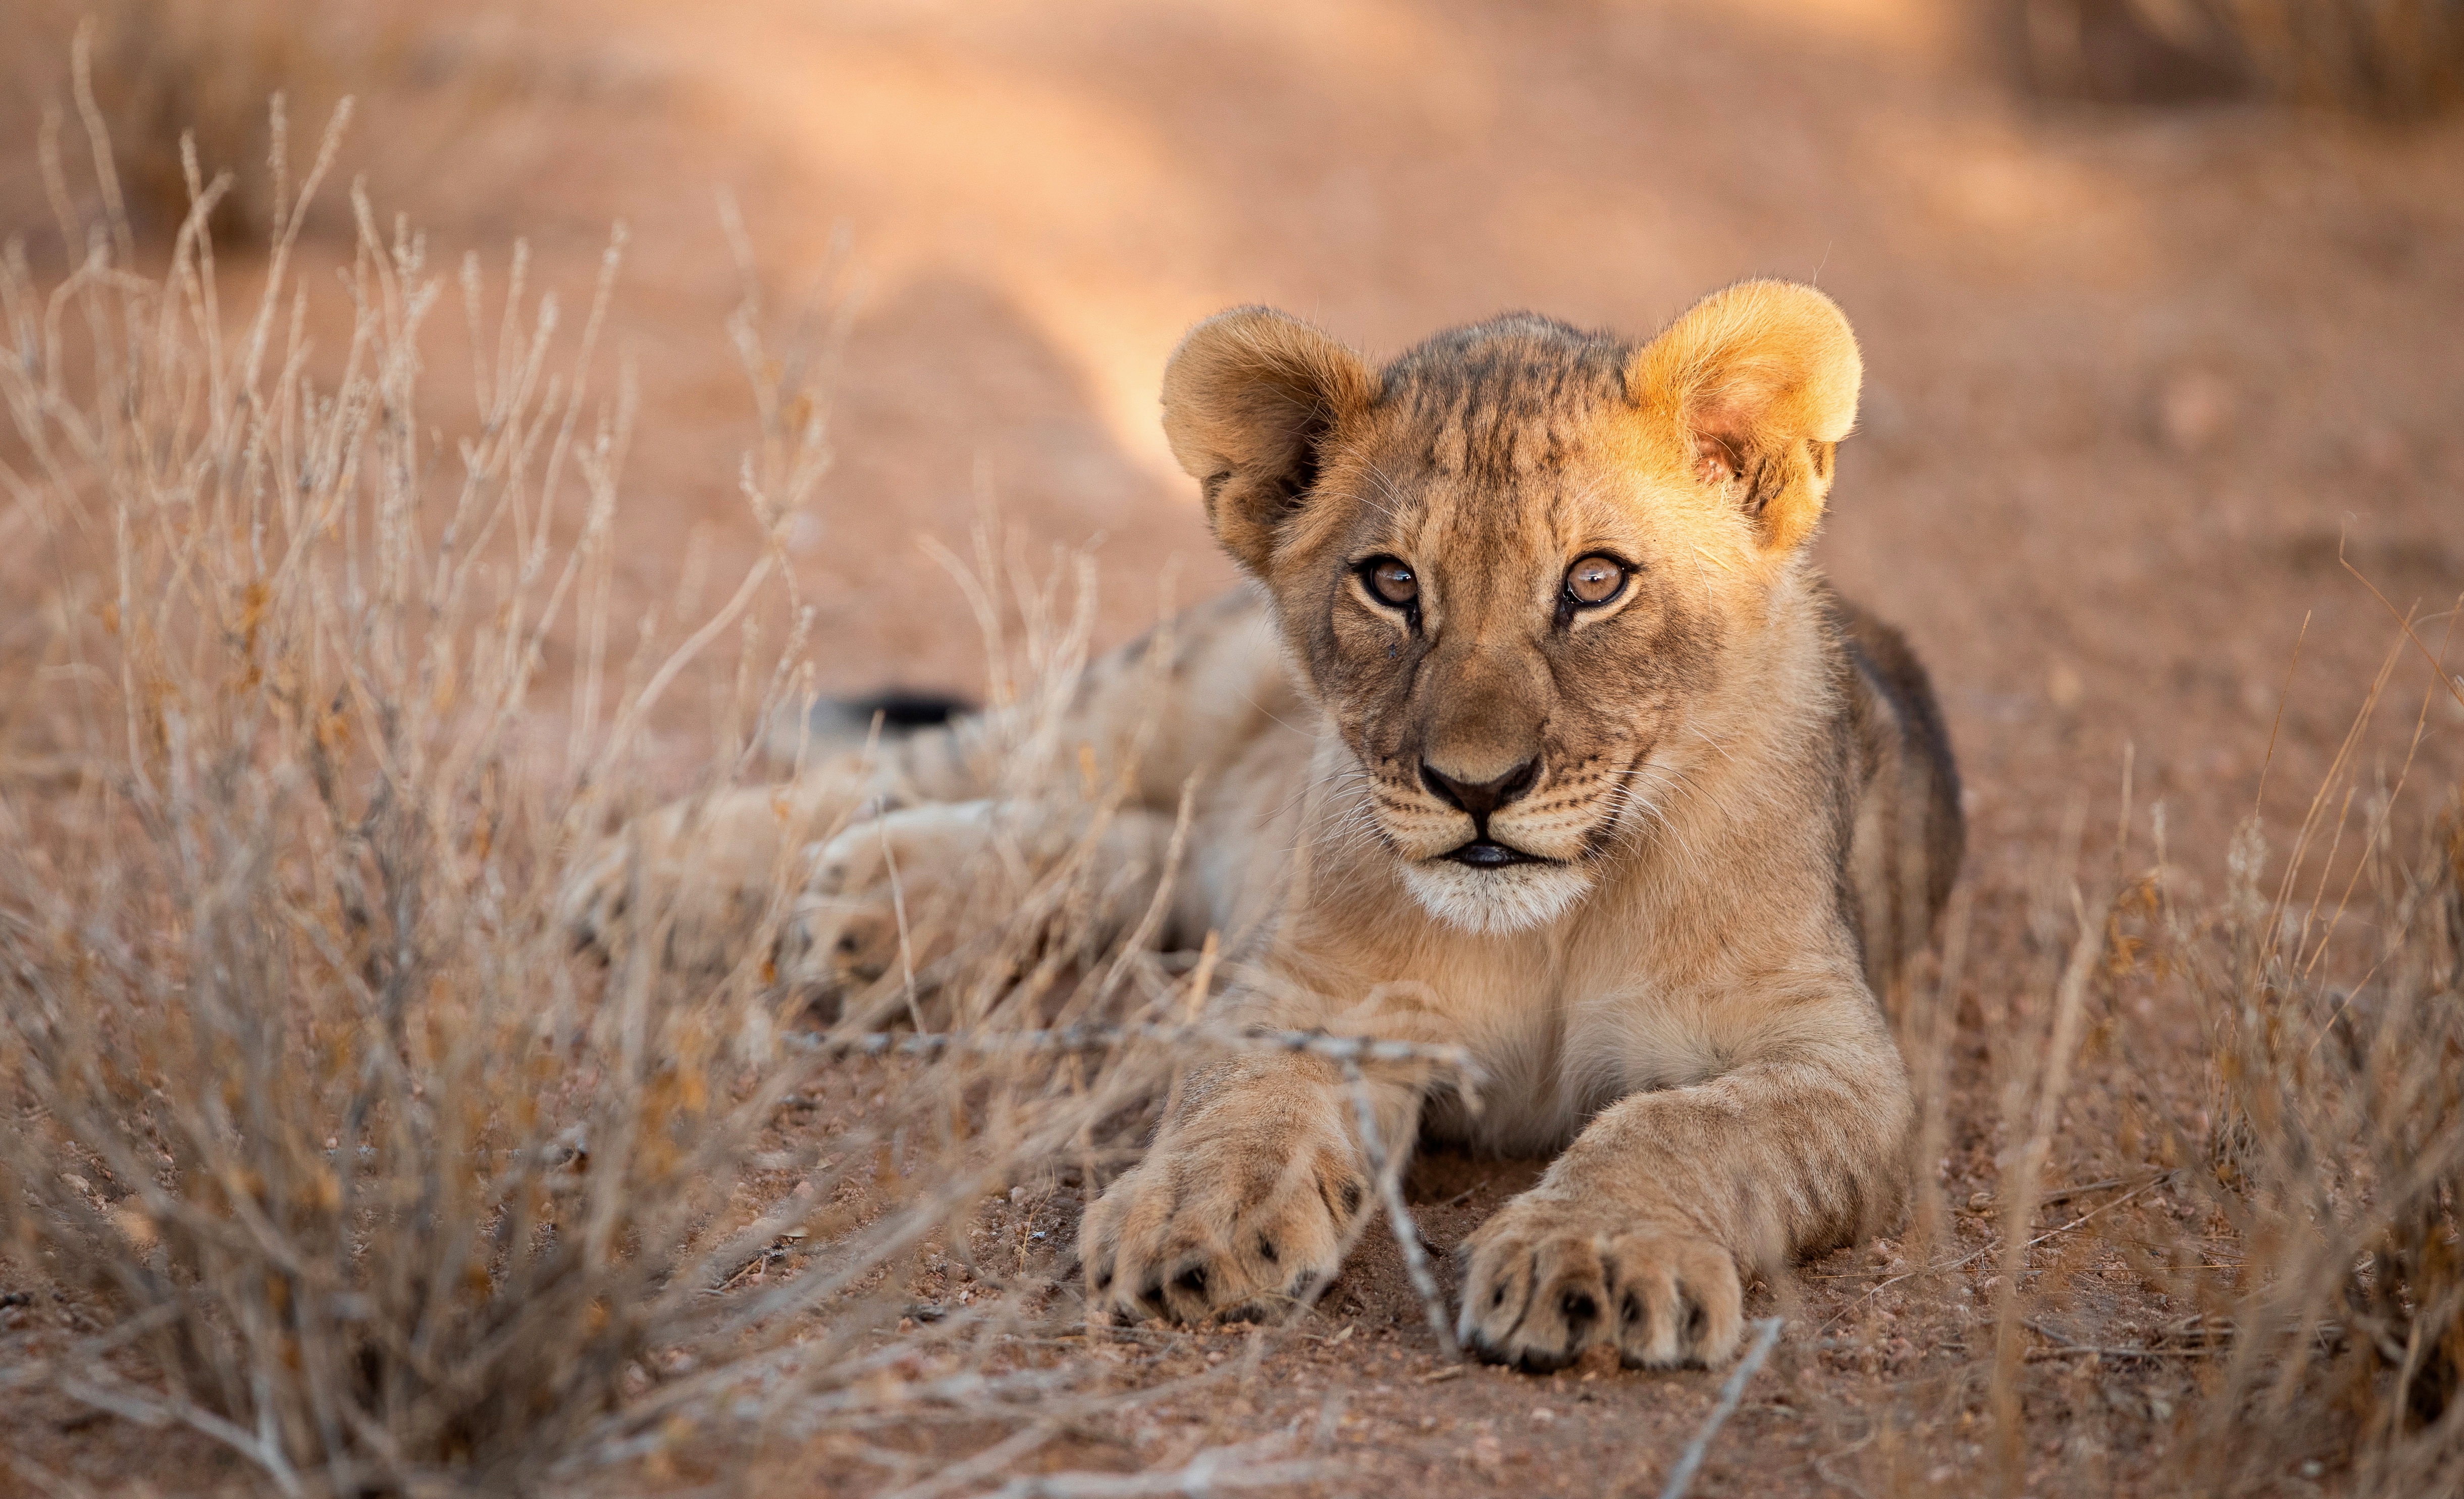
(1595, 580)
(1392, 580)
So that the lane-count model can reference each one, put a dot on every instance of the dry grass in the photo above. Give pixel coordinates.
(2335, 1008)
(2250, 1288)
(2307, 1269)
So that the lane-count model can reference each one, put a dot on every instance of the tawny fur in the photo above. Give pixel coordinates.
(1733, 790)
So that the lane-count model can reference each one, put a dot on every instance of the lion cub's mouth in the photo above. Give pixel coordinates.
(1486, 853)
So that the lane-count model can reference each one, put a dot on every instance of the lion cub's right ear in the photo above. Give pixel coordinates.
(1759, 380)
(1248, 398)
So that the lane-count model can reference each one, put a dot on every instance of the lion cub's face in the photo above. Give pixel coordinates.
(1503, 614)
(1510, 562)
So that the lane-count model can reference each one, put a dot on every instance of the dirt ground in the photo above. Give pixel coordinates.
(2136, 381)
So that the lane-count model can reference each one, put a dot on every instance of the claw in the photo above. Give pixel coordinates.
(1538, 1289)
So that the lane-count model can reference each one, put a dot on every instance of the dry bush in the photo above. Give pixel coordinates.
(2394, 58)
(368, 1177)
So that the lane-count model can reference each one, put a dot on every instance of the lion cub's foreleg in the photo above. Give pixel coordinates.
(1641, 1235)
(1258, 1183)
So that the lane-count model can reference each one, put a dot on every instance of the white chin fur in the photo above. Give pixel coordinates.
(1494, 902)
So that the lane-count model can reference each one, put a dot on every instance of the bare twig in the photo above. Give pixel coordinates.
(1353, 1050)
(1388, 1170)
(1681, 1478)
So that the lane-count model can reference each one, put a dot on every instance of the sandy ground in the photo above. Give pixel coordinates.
(2136, 381)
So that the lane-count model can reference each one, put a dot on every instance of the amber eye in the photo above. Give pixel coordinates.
(1392, 580)
(1595, 580)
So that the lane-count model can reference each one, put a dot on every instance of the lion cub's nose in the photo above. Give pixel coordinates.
(1480, 798)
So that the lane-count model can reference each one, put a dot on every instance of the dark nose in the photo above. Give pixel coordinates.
(1480, 800)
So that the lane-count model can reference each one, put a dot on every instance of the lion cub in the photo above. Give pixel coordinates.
(1538, 734)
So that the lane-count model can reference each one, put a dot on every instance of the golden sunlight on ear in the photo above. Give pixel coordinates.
(1761, 379)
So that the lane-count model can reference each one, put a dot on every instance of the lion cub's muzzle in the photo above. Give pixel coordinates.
(1476, 801)
(1522, 861)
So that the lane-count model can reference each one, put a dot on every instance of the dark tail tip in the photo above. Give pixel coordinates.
(899, 709)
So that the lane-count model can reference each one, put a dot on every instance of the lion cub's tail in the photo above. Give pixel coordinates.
(1911, 831)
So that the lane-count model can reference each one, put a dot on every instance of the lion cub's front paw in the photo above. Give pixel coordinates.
(1241, 1219)
(1542, 1281)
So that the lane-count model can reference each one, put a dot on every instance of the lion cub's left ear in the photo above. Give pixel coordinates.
(1760, 381)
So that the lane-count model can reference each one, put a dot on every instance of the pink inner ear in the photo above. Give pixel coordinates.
(1722, 430)
(1717, 459)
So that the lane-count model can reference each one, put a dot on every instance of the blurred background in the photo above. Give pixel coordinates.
(2158, 297)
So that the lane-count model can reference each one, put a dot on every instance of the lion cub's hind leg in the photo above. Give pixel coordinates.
(883, 900)
(700, 875)
(894, 901)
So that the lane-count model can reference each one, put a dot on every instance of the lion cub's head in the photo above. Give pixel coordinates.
(1512, 562)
